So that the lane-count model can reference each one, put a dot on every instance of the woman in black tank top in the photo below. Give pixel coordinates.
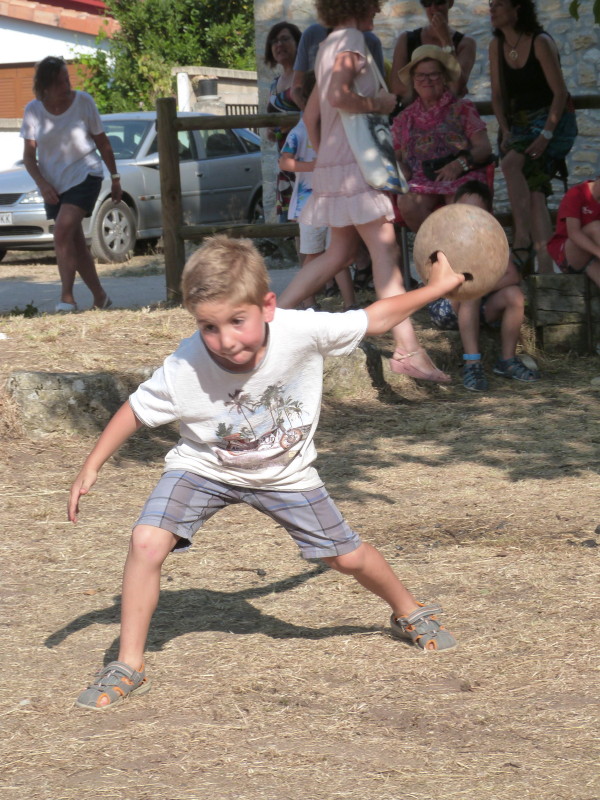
(536, 122)
(438, 32)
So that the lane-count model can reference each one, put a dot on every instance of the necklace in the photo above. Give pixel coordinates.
(512, 50)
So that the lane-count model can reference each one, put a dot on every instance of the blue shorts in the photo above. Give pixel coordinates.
(84, 196)
(443, 314)
(445, 318)
(183, 501)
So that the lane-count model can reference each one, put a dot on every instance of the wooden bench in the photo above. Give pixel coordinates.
(565, 312)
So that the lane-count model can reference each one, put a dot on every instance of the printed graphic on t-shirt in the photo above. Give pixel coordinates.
(268, 428)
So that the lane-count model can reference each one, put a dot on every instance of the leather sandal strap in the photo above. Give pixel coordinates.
(421, 613)
(401, 357)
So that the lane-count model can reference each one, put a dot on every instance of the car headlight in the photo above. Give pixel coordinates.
(32, 197)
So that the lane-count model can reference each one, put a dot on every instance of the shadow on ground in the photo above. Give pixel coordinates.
(201, 610)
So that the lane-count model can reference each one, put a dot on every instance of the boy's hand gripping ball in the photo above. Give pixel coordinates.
(472, 240)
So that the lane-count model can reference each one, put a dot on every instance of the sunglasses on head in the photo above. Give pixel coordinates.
(429, 3)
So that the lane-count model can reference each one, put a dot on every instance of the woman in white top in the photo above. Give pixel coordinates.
(62, 129)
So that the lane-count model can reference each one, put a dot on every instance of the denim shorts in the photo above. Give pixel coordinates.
(84, 196)
(445, 318)
(443, 314)
(182, 502)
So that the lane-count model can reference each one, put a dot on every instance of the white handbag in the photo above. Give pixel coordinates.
(370, 140)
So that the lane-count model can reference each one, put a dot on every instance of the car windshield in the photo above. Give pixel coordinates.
(126, 135)
(251, 140)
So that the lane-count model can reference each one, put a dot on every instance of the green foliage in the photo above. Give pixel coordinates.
(575, 5)
(156, 35)
(29, 311)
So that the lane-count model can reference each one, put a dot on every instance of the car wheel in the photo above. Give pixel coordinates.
(113, 235)
(257, 212)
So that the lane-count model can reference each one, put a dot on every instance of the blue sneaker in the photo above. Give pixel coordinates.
(514, 368)
(474, 378)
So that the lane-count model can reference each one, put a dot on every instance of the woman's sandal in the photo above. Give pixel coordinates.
(116, 682)
(423, 630)
(65, 308)
(400, 364)
(523, 263)
(106, 304)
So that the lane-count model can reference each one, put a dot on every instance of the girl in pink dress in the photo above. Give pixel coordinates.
(341, 198)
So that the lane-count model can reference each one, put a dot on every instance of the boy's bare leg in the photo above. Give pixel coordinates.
(371, 570)
(468, 325)
(148, 548)
(507, 305)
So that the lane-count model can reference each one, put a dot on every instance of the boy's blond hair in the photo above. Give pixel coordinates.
(225, 269)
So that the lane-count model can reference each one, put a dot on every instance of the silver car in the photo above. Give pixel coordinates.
(221, 181)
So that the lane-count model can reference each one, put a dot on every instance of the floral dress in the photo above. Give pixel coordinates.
(422, 134)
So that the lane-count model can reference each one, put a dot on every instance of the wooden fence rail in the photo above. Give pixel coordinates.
(175, 233)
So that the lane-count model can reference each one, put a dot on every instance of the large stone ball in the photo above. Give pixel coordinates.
(472, 240)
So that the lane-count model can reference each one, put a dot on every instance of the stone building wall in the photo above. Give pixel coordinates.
(578, 42)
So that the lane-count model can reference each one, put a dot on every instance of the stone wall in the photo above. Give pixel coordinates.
(578, 41)
(51, 402)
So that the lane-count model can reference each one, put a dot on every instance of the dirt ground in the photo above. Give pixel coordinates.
(277, 679)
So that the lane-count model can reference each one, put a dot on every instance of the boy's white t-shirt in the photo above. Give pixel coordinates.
(66, 152)
(252, 429)
(298, 144)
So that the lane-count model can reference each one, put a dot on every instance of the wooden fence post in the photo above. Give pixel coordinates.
(170, 188)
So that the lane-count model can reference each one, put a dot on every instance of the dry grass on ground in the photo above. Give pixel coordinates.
(273, 678)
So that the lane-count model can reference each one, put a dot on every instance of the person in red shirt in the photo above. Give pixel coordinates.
(575, 245)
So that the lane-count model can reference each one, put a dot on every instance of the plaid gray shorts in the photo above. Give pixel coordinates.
(182, 502)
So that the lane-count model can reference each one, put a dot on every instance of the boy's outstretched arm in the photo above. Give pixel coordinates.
(385, 314)
(119, 429)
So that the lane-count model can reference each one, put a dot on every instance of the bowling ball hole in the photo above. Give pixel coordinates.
(468, 276)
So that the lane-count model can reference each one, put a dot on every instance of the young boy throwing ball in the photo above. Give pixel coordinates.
(226, 385)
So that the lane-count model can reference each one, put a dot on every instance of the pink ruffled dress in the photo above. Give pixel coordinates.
(340, 195)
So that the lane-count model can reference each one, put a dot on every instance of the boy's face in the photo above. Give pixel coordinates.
(235, 334)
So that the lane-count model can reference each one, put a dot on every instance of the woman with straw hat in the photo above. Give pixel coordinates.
(440, 140)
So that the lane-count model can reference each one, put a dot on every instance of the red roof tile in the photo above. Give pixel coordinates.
(57, 16)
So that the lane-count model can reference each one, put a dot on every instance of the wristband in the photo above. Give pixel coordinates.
(463, 163)
(547, 134)
(467, 155)
(115, 177)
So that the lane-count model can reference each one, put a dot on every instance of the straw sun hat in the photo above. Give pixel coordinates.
(426, 51)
